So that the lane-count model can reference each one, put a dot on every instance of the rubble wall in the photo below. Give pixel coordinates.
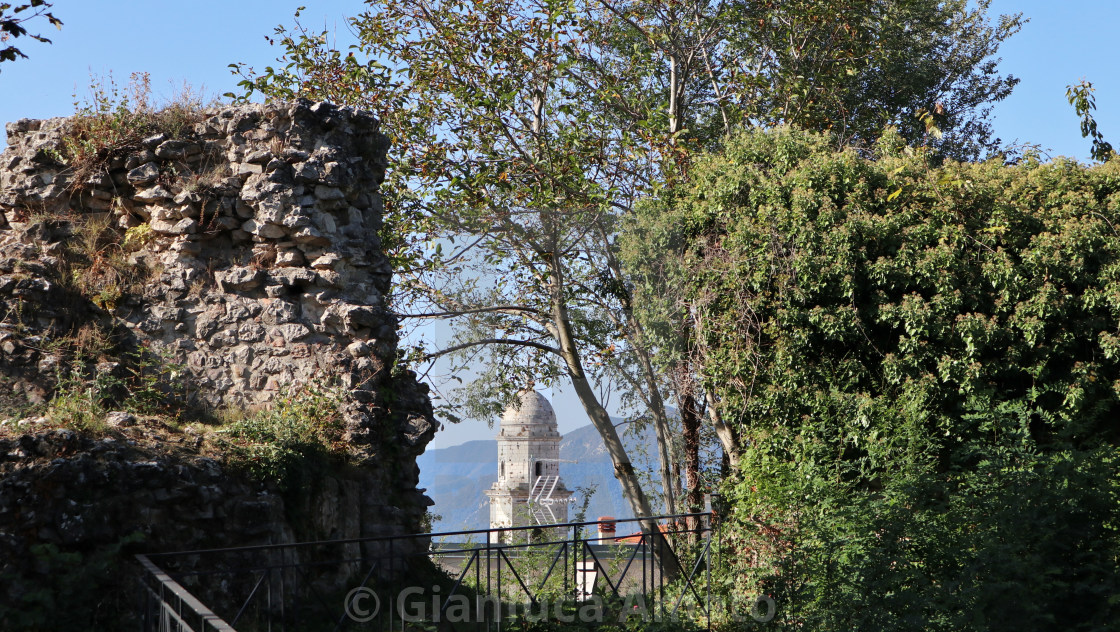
(242, 250)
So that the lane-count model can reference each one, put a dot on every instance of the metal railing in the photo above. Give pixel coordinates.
(168, 606)
(401, 582)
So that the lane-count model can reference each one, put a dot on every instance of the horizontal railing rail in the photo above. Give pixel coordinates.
(168, 607)
(396, 581)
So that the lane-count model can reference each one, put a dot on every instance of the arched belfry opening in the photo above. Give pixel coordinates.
(529, 490)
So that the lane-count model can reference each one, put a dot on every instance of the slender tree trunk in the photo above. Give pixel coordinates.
(694, 497)
(669, 476)
(623, 468)
(655, 403)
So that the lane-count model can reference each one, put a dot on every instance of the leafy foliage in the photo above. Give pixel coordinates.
(12, 25)
(852, 68)
(922, 363)
(1081, 98)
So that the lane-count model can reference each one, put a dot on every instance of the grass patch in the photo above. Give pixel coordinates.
(147, 383)
(96, 259)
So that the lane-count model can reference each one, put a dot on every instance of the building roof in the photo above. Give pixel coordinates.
(531, 408)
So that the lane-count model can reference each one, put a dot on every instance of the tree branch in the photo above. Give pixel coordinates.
(501, 309)
(490, 341)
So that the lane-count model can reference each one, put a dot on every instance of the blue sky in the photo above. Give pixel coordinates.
(196, 41)
(1064, 42)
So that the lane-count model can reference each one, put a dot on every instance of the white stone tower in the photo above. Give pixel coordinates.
(529, 490)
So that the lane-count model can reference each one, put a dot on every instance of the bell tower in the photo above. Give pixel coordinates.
(528, 490)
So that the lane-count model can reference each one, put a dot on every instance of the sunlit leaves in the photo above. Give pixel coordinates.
(1081, 97)
(920, 378)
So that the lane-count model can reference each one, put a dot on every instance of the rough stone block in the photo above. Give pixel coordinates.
(239, 279)
(324, 192)
(265, 230)
(248, 168)
(144, 174)
(152, 195)
(172, 150)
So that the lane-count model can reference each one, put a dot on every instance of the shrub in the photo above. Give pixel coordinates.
(112, 119)
(302, 429)
(923, 365)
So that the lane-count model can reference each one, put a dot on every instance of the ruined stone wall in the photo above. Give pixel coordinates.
(260, 236)
(243, 251)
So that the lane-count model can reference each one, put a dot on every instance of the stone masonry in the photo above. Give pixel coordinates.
(252, 248)
(262, 226)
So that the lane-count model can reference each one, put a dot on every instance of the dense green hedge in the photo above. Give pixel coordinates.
(923, 363)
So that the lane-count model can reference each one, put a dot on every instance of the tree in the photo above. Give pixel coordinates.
(924, 364)
(918, 66)
(12, 25)
(494, 150)
(523, 131)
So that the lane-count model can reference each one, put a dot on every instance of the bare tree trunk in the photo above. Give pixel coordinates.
(623, 468)
(655, 403)
(669, 475)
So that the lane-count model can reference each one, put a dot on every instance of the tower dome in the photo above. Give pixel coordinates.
(529, 409)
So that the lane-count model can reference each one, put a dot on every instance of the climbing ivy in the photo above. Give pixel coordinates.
(923, 366)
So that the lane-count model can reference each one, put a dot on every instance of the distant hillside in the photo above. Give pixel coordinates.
(457, 477)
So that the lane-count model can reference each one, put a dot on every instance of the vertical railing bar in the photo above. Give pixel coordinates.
(708, 575)
(489, 572)
(483, 554)
(176, 614)
(501, 554)
(283, 585)
(565, 573)
(645, 569)
(268, 601)
(660, 539)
